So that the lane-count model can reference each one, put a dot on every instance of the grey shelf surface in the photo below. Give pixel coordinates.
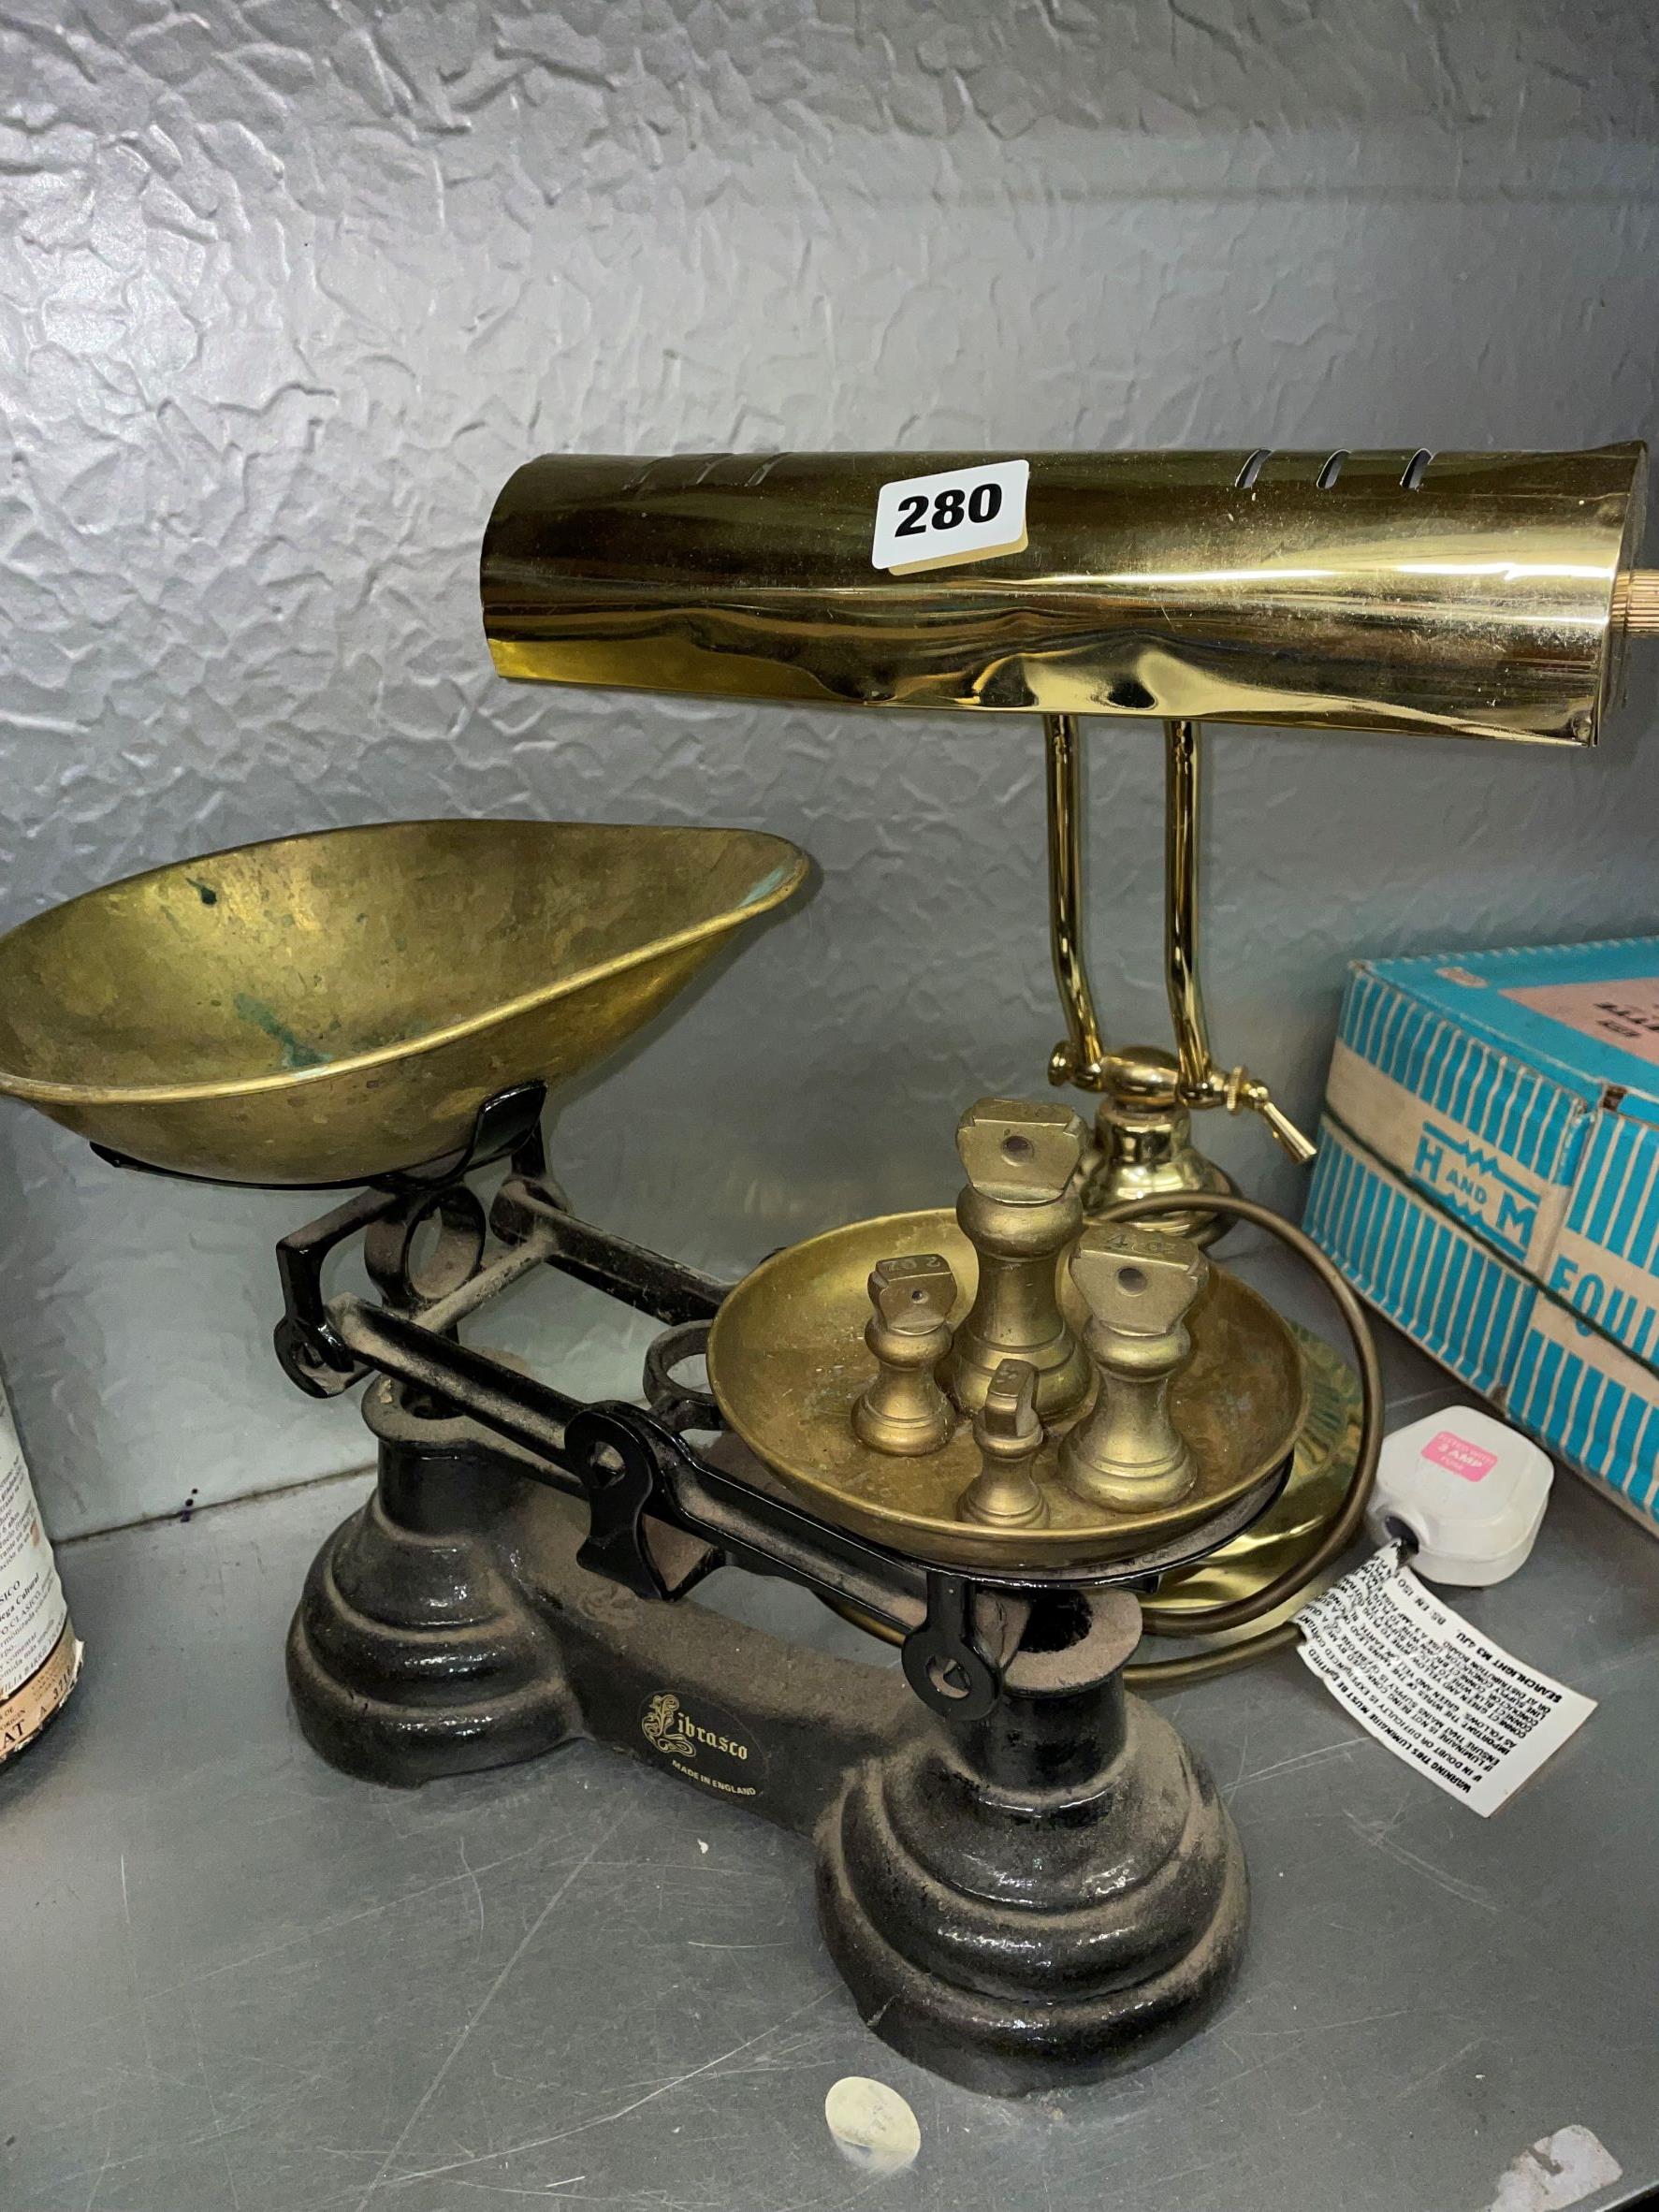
(234, 1981)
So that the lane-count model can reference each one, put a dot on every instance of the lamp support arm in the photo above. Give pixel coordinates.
(1080, 1058)
(1202, 1082)
(1083, 1058)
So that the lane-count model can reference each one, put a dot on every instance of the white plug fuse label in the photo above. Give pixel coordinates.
(953, 516)
(1458, 1456)
(1439, 1696)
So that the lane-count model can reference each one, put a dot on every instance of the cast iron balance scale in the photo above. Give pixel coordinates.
(1001, 1436)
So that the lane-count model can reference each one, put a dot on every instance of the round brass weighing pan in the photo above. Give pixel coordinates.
(787, 1357)
(329, 1008)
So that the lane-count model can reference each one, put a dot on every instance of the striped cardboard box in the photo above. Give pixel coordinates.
(1493, 1132)
(1554, 1374)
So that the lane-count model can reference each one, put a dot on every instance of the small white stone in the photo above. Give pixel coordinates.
(874, 2129)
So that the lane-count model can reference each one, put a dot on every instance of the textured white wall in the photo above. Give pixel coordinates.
(288, 288)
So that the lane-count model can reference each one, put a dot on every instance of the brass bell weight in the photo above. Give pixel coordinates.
(904, 1410)
(1005, 1492)
(1020, 1210)
(1140, 1285)
(1056, 1422)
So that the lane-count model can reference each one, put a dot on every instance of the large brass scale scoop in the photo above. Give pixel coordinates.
(327, 1009)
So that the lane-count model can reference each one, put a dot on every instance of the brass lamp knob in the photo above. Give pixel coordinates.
(1140, 1286)
(1020, 1210)
(1636, 602)
(904, 1410)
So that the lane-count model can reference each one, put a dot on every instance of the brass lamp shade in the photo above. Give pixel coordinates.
(328, 1008)
(1475, 594)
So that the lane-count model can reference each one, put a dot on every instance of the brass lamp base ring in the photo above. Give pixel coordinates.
(1112, 1183)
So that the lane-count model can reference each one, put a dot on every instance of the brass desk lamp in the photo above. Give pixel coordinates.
(1483, 595)
(990, 1434)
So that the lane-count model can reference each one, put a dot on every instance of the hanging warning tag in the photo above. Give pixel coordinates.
(1431, 1690)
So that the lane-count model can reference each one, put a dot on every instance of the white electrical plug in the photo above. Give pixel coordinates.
(1469, 1491)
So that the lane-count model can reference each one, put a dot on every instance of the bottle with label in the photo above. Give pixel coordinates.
(39, 1655)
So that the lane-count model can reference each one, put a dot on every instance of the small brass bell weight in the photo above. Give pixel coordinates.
(904, 1410)
(1140, 1285)
(1004, 1493)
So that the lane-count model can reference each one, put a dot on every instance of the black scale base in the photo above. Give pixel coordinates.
(1037, 1898)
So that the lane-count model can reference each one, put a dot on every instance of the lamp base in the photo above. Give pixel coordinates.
(1143, 1146)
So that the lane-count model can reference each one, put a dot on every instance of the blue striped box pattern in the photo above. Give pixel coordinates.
(1489, 1177)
